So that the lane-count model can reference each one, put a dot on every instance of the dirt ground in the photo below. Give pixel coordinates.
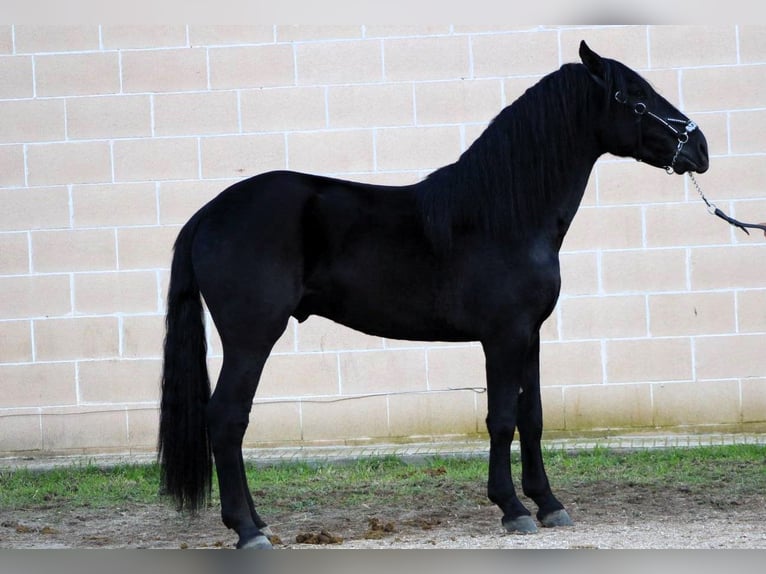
(606, 515)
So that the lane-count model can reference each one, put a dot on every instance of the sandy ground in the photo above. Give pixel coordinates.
(627, 518)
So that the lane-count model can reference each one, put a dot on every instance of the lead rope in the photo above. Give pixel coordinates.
(714, 210)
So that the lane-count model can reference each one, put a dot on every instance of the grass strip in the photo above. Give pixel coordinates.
(741, 469)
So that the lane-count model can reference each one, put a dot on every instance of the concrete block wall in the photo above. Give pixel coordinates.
(112, 136)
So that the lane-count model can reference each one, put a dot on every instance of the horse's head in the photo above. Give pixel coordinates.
(640, 123)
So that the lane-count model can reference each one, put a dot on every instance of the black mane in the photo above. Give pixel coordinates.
(504, 180)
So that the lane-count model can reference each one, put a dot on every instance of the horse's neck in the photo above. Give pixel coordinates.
(562, 186)
(566, 177)
(556, 136)
(524, 176)
(561, 217)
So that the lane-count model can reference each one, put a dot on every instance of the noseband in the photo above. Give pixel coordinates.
(640, 110)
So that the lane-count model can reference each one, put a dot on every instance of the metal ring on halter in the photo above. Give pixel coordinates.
(639, 109)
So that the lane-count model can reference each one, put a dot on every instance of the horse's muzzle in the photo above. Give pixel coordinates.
(693, 156)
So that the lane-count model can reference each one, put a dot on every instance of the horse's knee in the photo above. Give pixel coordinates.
(501, 428)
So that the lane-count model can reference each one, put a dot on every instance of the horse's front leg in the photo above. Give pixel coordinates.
(534, 480)
(504, 381)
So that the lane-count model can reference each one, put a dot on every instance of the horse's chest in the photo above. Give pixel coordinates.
(504, 286)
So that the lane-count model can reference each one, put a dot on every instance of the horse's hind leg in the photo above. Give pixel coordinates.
(228, 415)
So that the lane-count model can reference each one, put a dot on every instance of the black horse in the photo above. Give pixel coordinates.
(471, 253)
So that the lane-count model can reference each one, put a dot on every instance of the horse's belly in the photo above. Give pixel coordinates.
(391, 312)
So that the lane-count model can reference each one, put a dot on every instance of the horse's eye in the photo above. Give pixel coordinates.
(637, 93)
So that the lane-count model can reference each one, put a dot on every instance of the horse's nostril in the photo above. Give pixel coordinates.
(704, 162)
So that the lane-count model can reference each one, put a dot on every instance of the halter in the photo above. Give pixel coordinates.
(640, 110)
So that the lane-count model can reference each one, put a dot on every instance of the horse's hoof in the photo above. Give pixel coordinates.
(520, 525)
(556, 518)
(260, 542)
(266, 530)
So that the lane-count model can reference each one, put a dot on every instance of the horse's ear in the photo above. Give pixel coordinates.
(594, 63)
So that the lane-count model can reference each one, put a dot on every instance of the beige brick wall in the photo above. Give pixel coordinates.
(112, 136)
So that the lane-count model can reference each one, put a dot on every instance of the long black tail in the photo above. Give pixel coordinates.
(184, 449)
